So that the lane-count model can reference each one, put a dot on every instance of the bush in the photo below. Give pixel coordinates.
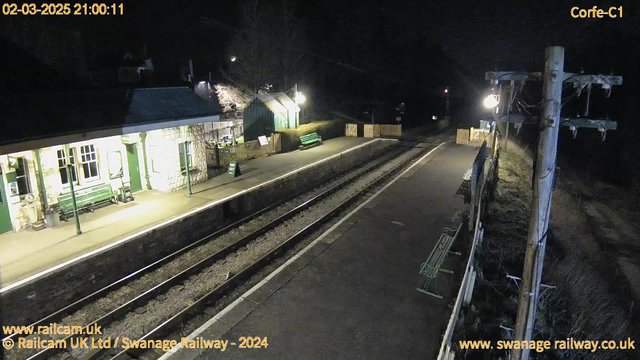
(326, 129)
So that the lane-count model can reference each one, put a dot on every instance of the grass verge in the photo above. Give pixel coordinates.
(583, 305)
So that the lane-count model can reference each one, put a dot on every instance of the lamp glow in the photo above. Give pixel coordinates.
(233, 59)
(491, 101)
(300, 99)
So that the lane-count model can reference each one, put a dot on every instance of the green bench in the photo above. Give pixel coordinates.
(86, 199)
(430, 269)
(310, 140)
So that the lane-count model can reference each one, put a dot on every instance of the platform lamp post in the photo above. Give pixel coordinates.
(73, 193)
(299, 100)
(186, 158)
(446, 95)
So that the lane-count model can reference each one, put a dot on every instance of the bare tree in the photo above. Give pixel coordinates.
(232, 98)
(268, 49)
(254, 50)
(291, 44)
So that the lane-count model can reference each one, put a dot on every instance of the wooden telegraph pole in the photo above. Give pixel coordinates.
(553, 76)
(544, 172)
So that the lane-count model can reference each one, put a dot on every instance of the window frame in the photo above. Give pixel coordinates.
(74, 167)
(22, 163)
(181, 149)
(86, 159)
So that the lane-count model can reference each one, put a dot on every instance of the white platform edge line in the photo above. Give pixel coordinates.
(177, 218)
(242, 298)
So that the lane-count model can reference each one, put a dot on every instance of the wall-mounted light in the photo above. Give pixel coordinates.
(491, 101)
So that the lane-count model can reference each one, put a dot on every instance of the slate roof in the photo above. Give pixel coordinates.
(38, 116)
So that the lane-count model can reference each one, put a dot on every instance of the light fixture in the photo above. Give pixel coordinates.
(491, 101)
(300, 99)
(233, 59)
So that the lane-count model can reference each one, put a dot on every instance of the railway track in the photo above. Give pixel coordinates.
(212, 266)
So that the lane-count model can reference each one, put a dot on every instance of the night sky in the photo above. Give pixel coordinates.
(389, 42)
(480, 35)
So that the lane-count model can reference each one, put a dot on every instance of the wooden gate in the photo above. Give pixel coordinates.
(351, 130)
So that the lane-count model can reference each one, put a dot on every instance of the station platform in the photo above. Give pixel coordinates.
(27, 253)
(351, 294)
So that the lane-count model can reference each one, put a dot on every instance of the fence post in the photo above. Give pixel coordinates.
(216, 151)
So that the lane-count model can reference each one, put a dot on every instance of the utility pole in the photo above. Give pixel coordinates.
(553, 76)
(511, 89)
(544, 172)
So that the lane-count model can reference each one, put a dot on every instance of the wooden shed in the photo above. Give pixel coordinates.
(268, 113)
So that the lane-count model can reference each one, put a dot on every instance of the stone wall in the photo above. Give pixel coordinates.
(164, 154)
(44, 295)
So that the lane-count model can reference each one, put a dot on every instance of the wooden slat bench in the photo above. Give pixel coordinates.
(86, 199)
(430, 269)
(310, 140)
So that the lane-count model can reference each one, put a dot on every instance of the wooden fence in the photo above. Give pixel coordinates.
(390, 130)
(483, 180)
(371, 130)
(221, 157)
(474, 136)
(374, 130)
(462, 137)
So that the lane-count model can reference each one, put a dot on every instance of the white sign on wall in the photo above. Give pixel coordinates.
(13, 189)
(263, 140)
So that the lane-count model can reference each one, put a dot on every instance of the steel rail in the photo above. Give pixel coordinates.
(255, 267)
(76, 305)
(165, 285)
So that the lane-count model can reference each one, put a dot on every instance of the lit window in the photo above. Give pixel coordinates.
(89, 161)
(62, 166)
(181, 151)
(22, 176)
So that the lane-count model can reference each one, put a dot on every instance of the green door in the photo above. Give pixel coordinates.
(134, 168)
(5, 219)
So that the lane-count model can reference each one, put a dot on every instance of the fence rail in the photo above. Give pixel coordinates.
(221, 157)
(483, 179)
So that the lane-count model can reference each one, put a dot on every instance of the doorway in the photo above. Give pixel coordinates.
(5, 218)
(134, 168)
